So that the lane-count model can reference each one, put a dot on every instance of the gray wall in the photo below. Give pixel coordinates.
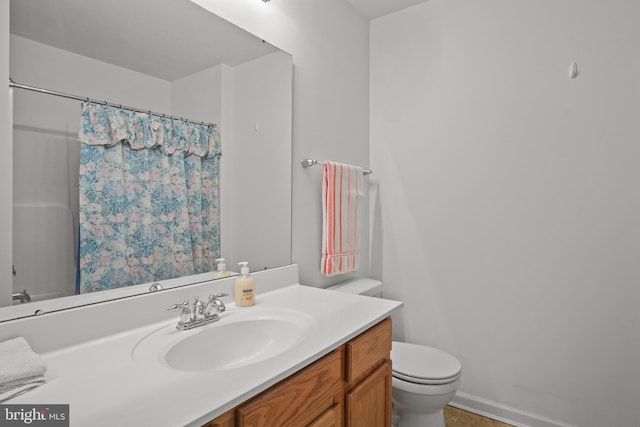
(5, 160)
(507, 211)
(329, 42)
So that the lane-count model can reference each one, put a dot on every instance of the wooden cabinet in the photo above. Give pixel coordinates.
(367, 351)
(368, 404)
(368, 378)
(228, 419)
(298, 400)
(332, 417)
(349, 387)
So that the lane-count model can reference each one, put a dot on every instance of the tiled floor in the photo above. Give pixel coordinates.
(455, 417)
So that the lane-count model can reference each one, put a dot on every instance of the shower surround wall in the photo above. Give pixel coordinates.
(506, 216)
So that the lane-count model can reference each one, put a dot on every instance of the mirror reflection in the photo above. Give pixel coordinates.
(168, 57)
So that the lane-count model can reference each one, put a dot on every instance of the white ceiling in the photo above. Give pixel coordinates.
(145, 36)
(372, 9)
(141, 35)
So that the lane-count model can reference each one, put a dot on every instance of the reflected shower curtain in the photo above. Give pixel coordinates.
(149, 203)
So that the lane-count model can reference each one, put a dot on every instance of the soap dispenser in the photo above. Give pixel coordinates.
(221, 271)
(245, 288)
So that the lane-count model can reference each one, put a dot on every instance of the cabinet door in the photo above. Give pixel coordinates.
(298, 400)
(369, 403)
(331, 418)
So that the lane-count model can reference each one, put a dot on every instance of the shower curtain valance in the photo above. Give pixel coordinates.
(109, 126)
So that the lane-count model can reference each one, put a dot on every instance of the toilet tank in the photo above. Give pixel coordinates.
(368, 287)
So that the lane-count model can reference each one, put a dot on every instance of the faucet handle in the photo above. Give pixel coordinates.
(176, 307)
(185, 312)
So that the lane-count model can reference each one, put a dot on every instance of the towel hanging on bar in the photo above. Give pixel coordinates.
(341, 192)
(306, 163)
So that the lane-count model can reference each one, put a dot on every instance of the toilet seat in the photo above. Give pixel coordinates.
(419, 364)
(425, 389)
(424, 381)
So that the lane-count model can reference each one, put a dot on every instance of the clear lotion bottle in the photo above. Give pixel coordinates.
(221, 271)
(245, 288)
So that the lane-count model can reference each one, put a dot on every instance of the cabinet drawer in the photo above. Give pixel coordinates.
(368, 351)
(330, 418)
(228, 419)
(299, 399)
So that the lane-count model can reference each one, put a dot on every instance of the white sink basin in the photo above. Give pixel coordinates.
(241, 337)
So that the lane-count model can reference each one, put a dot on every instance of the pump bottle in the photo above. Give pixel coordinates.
(221, 271)
(245, 288)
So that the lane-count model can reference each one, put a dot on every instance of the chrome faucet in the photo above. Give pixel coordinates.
(215, 300)
(199, 313)
(23, 297)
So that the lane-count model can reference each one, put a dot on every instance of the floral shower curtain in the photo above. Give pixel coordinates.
(149, 205)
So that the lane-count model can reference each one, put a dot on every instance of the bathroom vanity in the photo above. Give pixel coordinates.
(352, 383)
(300, 356)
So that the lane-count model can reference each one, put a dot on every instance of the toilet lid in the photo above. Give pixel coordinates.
(423, 364)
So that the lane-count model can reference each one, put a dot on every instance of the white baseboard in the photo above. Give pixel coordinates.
(504, 413)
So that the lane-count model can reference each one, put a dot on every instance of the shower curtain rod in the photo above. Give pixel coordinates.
(309, 162)
(12, 83)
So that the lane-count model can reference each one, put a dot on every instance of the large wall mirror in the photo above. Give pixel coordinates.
(166, 56)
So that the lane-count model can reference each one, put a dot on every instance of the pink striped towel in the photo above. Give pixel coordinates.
(341, 191)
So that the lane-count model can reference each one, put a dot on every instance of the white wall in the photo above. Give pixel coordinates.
(329, 43)
(6, 169)
(255, 120)
(40, 65)
(198, 96)
(507, 206)
(260, 180)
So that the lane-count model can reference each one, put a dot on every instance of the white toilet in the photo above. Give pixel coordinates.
(424, 378)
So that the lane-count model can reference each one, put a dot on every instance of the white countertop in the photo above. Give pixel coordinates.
(105, 386)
